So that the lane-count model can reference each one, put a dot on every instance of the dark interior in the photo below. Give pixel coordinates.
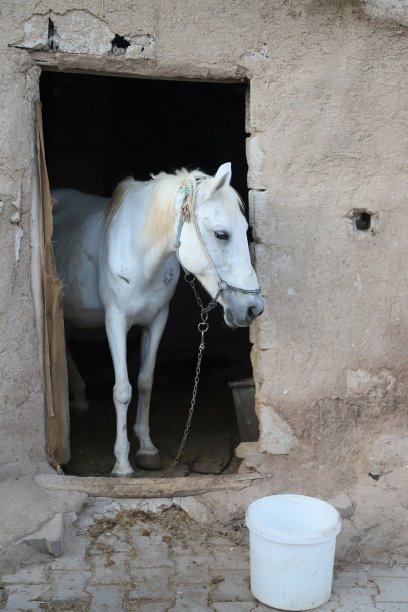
(97, 130)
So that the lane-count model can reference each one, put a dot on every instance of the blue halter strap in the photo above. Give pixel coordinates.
(184, 192)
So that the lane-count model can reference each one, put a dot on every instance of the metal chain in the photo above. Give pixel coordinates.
(190, 279)
(203, 327)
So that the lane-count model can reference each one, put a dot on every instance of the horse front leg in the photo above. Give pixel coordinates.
(116, 329)
(147, 456)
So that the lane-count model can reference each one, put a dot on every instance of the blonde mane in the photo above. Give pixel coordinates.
(159, 222)
(120, 192)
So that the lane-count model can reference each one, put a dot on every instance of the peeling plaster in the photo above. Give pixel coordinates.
(18, 235)
(276, 436)
(15, 217)
(255, 158)
(73, 32)
(80, 32)
(141, 46)
(36, 33)
(262, 53)
(17, 201)
(388, 10)
(363, 384)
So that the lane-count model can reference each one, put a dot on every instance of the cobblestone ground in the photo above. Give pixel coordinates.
(156, 562)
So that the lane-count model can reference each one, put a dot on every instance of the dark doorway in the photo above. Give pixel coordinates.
(97, 130)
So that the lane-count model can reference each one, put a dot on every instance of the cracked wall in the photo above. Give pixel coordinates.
(326, 127)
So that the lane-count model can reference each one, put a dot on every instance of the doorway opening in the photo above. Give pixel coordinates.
(98, 130)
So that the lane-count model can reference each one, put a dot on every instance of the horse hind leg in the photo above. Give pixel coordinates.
(78, 401)
(147, 457)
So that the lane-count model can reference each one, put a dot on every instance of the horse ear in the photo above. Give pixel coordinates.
(221, 179)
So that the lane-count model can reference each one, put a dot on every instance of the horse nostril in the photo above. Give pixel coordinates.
(252, 313)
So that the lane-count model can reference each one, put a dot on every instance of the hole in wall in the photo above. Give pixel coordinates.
(363, 221)
(53, 38)
(119, 44)
(97, 130)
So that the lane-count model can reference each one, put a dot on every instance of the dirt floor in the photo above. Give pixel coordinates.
(209, 449)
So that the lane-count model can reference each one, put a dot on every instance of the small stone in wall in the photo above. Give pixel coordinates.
(80, 32)
(36, 33)
(344, 505)
(277, 437)
(15, 217)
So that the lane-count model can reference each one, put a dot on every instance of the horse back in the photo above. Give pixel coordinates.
(78, 231)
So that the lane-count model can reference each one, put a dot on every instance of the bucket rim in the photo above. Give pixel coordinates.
(294, 537)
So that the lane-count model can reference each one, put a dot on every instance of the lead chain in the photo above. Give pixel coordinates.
(203, 327)
(212, 304)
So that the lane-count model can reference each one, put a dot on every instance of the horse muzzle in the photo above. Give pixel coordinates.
(242, 310)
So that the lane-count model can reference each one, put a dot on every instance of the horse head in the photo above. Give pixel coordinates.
(212, 244)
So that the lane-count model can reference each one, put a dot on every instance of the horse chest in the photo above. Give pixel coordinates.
(140, 301)
(127, 290)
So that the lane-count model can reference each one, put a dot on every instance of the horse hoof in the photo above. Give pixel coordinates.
(148, 461)
(125, 472)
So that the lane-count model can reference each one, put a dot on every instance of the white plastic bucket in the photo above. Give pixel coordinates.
(292, 544)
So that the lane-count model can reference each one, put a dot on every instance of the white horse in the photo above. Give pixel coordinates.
(118, 261)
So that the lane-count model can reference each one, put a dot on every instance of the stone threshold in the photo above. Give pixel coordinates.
(105, 486)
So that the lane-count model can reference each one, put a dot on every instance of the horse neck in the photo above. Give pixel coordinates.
(132, 214)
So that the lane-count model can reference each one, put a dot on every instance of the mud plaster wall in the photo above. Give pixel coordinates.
(327, 124)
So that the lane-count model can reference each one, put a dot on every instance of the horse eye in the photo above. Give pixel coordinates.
(221, 235)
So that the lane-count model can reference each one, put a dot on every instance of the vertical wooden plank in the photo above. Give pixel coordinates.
(56, 377)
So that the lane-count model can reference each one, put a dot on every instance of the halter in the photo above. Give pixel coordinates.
(186, 213)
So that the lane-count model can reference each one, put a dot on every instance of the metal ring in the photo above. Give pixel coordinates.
(222, 285)
(203, 327)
